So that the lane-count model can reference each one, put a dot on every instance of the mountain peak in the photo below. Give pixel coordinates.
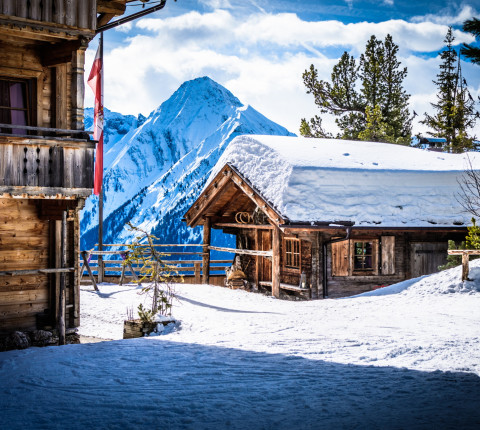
(200, 92)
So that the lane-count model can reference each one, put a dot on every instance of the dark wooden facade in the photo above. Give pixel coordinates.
(46, 158)
(320, 260)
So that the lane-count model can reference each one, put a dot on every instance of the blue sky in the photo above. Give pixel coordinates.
(259, 50)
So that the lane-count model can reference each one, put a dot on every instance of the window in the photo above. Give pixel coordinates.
(14, 106)
(292, 253)
(363, 257)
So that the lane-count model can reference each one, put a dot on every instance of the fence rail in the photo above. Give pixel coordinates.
(115, 264)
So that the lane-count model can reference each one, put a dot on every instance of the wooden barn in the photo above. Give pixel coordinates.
(46, 158)
(317, 218)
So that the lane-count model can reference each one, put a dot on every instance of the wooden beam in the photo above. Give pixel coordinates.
(464, 251)
(104, 18)
(246, 226)
(465, 268)
(112, 7)
(242, 251)
(207, 228)
(207, 198)
(89, 270)
(61, 53)
(256, 198)
(30, 192)
(276, 262)
(61, 304)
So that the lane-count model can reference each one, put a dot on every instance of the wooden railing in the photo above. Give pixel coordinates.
(112, 262)
(465, 253)
(46, 162)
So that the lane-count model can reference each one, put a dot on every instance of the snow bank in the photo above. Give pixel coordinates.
(369, 183)
(445, 282)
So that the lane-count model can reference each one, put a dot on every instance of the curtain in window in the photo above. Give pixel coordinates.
(13, 107)
(17, 103)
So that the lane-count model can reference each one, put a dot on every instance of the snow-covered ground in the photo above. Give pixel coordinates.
(406, 356)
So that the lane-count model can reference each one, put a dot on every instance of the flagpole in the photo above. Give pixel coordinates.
(100, 196)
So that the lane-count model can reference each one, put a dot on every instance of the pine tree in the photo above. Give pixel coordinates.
(469, 51)
(381, 88)
(454, 110)
(376, 130)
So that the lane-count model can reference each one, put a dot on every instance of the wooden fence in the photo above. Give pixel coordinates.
(187, 264)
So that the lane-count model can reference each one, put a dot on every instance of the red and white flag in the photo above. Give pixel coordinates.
(95, 82)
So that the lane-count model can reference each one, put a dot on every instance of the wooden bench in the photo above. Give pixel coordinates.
(465, 253)
(289, 287)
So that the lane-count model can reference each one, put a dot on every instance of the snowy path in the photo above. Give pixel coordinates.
(406, 357)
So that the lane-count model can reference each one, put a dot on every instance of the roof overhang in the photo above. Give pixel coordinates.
(210, 200)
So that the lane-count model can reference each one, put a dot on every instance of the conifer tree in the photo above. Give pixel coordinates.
(469, 51)
(381, 87)
(454, 110)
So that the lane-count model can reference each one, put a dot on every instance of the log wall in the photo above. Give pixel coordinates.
(30, 237)
(73, 13)
(24, 240)
(341, 286)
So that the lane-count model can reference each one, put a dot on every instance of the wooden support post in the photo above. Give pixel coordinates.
(465, 268)
(276, 262)
(197, 268)
(207, 224)
(122, 278)
(61, 304)
(133, 272)
(90, 274)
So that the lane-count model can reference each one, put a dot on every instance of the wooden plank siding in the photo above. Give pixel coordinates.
(28, 243)
(43, 163)
(395, 270)
(23, 245)
(71, 13)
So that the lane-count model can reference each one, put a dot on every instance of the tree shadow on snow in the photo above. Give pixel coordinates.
(218, 308)
(152, 383)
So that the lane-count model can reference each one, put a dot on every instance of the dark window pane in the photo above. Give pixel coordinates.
(13, 105)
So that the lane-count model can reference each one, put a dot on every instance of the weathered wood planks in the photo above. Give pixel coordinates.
(72, 13)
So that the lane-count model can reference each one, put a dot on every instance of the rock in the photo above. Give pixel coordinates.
(42, 338)
(18, 340)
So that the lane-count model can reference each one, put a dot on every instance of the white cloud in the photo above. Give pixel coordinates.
(446, 18)
(260, 59)
(287, 30)
(124, 28)
(388, 2)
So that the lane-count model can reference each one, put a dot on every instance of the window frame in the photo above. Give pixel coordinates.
(289, 255)
(343, 258)
(29, 85)
(366, 259)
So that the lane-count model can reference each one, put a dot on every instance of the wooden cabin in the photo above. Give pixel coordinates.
(46, 158)
(317, 218)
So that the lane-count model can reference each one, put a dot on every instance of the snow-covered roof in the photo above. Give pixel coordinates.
(369, 183)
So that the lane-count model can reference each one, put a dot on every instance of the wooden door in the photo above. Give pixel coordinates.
(266, 263)
(425, 257)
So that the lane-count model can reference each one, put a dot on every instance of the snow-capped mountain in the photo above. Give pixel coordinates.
(155, 167)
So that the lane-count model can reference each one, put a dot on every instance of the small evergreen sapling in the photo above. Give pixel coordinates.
(155, 273)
